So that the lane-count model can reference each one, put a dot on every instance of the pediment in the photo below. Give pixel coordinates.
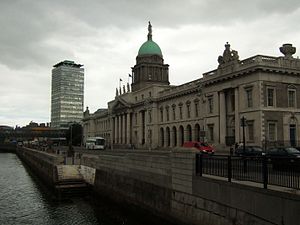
(120, 105)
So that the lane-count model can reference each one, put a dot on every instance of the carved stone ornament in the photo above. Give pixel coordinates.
(288, 50)
(228, 55)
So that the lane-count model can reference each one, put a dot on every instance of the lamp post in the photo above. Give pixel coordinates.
(70, 150)
(243, 124)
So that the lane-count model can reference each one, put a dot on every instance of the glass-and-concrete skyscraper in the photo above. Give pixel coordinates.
(67, 92)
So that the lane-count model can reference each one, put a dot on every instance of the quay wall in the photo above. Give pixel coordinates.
(140, 178)
(165, 183)
(42, 163)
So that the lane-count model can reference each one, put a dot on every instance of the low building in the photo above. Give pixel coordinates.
(260, 92)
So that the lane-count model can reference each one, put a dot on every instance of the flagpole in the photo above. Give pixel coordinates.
(129, 75)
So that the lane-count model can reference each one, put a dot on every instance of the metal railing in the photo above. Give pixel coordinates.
(283, 172)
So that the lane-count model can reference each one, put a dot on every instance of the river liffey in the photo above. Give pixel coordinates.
(24, 200)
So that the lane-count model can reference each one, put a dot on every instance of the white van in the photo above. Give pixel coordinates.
(95, 143)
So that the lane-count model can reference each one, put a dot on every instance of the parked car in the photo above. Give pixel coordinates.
(284, 157)
(201, 146)
(249, 151)
(289, 152)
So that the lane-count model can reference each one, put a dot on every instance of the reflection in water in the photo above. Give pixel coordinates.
(24, 201)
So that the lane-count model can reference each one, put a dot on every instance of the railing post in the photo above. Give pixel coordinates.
(245, 164)
(199, 162)
(229, 168)
(265, 171)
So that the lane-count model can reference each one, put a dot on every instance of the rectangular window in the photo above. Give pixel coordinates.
(270, 96)
(272, 131)
(180, 112)
(250, 126)
(188, 108)
(291, 98)
(249, 98)
(196, 109)
(232, 101)
(210, 105)
(211, 132)
(174, 113)
(161, 115)
(167, 111)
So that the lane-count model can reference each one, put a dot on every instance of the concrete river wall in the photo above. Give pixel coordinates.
(165, 184)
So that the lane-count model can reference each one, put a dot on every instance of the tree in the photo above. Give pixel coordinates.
(74, 134)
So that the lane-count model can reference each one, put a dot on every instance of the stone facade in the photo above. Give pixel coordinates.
(155, 114)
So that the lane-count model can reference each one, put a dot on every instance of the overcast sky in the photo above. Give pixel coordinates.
(105, 37)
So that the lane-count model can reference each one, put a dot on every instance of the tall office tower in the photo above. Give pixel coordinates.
(67, 94)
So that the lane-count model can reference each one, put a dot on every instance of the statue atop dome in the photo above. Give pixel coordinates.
(149, 47)
(149, 31)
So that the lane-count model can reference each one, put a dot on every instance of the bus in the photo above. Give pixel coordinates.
(95, 143)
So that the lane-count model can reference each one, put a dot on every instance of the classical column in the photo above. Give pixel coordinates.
(222, 114)
(112, 128)
(116, 128)
(120, 129)
(128, 125)
(124, 128)
(236, 115)
(141, 126)
(194, 134)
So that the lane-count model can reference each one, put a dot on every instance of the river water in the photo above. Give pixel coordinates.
(24, 200)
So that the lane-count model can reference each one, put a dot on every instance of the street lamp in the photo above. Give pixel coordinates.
(243, 124)
(70, 150)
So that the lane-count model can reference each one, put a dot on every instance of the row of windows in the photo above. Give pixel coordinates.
(176, 136)
(271, 97)
(171, 111)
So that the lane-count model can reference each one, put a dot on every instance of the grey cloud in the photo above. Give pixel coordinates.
(27, 25)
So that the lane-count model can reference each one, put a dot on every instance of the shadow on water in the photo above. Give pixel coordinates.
(89, 208)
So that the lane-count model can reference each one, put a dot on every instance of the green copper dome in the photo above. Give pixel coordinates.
(149, 48)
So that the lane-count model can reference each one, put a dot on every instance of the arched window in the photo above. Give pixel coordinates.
(181, 135)
(162, 137)
(189, 132)
(174, 133)
(168, 137)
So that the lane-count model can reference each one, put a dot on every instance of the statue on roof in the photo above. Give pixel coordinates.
(149, 31)
(228, 55)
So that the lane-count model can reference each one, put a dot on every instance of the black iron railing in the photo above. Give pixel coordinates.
(283, 172)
